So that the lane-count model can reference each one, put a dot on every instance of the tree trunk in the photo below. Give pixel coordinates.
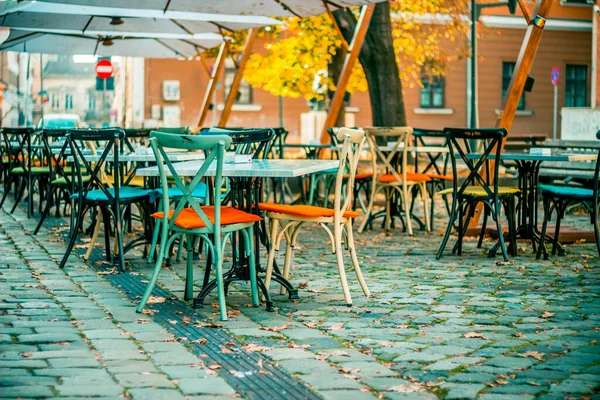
(378, 60)
(335, 69)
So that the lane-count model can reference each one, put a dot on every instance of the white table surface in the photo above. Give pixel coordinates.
(256, 168)
(146, 157)
(418, 149)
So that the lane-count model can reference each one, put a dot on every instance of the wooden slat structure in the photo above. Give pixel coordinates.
(212, 83)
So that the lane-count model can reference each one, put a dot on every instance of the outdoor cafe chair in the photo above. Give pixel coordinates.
(27, 165)
(214, 223)
(435, 166)
(478, 189)
(559, 197)
(91, 192)
(390, 174)
(288, 219)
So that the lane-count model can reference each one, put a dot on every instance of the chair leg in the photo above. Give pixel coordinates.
(7, 188)
(595, 212)
(74, 233)
(425, 209)
(547, 215)
(189, 272)
(119, 235)
(220, 280)
(404, 196)
(452, 214)
(560, 213)
(339, 253)
(46, 211)
(513, 225)
(165, 242)
(499, 227)
(92, 243)
(369, 207)
(352, 249)
(107, 231)
(271, 257)
(155, 233)
(249, 244)
(19, 195)
(483, 227)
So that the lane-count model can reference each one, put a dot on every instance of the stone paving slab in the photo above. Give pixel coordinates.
(459, 328)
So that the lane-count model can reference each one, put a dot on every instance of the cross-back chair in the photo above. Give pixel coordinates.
(480, 186)
(214, 223)
(94, 192)
(391, 175)
(287, 220)
(557, 198)
(435, 165)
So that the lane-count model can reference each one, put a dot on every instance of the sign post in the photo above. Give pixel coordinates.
(104, 70)
(554, 78)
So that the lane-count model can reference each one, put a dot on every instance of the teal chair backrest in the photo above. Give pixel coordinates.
(214, 149)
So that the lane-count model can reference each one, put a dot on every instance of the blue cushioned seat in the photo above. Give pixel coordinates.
(199, 191)
(125, 193)
(564, 190)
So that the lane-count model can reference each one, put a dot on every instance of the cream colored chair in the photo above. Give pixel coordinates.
(389, 178)
(286, 220)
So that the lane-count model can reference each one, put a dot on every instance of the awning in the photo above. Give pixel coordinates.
(50, 43)
(181, 9)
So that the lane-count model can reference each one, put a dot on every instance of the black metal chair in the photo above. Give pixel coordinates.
(93, 192)
(436, 166)
(27, 165)
(478, 188)
(559, 197)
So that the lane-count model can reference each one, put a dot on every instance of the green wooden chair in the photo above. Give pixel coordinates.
(214, 224)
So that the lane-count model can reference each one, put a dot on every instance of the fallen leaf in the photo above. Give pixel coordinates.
(155, 300)
(547, 314)
(274, 328)
(302, 285)
(251, 347)
(260, 363)
(335, 327)
(200, 341)
(311, 324)
(214, 367)
(404, 388)
(225, 350)
(533, 354)
(472, 335)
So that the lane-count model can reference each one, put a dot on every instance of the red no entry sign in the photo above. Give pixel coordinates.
(555, 75)
(104, 69)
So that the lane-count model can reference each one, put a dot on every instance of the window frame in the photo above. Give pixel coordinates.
(576, 81)
(231, 71)
(506, 80)
(429, 79)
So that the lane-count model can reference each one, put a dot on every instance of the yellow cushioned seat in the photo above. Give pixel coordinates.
(478, 191)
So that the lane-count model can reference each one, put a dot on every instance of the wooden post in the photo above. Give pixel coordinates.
(212, 83)
(237, 79)
(531, 42)
(360, 32)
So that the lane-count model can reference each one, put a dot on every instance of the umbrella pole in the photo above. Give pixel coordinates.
(237, 79)
(212, 83)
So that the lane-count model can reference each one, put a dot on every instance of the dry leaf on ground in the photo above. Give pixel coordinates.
(472, 335)
(533, 354)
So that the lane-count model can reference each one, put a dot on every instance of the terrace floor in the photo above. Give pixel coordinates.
(459, 328)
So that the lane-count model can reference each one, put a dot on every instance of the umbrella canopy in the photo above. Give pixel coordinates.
(115, 24)
(64, 44)
(182, 8)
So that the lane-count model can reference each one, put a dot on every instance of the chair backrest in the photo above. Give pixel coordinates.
(78, 140)
(597, 177)
(136, 137)
(246, 141)
(182, 130)
(437, 162)
(214, 148)
(385, 157)
(55, 145)
(18, 146)
(462, 142)
(352, 141)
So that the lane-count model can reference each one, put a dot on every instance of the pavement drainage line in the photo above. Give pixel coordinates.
(248, 381)
(62, 306)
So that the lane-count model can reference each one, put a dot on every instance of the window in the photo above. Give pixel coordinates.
(432, 92)
(244, 92)
(54, 101)
(507, 72)
(571, 2)
(576, 86)
(68, 102)
(92, 102)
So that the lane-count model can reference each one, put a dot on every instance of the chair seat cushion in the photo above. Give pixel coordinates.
(34, 170)
(189, 219)
(304, 211)
(137, 181)
(440, 177)
(410, 176)
(199, 191)
(566, 191)
(63, 181)
(125, 193)
(478, 191)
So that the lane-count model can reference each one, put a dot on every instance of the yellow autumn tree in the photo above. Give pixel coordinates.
(302, 49)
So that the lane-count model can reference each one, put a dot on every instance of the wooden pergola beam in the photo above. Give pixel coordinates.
(366, 13)
(237, 79)
(531, 42)
(212, 83)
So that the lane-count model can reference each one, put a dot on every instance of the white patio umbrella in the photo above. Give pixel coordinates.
(66, 44)
(175, 9)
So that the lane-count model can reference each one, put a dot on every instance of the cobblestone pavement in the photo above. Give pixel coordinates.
(459, 328)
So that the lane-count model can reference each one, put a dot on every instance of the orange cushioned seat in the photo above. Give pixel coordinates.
(358, 176)
(304, 211)
(189, 219)
(440, 177)
(410, 176)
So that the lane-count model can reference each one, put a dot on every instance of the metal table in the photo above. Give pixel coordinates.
(246, 187)
(528, 166)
